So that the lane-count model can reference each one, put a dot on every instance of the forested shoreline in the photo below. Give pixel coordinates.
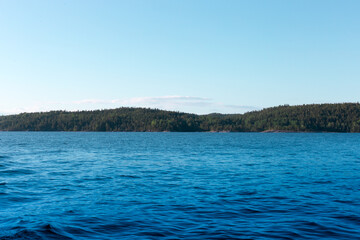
(344, 117)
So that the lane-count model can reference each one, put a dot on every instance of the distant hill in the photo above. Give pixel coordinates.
(343, 117)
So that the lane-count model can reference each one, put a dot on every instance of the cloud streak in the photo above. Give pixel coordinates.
(190, 104)
(146, 100)
(177, 103)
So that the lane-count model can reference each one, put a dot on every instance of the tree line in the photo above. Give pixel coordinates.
(343, 117)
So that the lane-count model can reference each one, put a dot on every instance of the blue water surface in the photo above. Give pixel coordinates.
(62, 185)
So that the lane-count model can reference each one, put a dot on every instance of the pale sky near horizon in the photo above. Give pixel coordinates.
(197, 56)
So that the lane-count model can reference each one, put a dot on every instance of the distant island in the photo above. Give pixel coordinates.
(344, 117)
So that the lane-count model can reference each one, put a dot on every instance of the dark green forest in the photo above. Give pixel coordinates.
(343, 117)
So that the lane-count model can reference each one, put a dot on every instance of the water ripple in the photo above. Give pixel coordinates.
(179, 186)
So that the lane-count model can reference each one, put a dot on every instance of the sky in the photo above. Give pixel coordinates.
(198, 56)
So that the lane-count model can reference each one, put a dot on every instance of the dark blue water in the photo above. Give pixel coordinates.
(179, 186)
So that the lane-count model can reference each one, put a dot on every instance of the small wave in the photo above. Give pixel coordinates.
(4, 157)
(51, 232)
(321, 193)
(79, 231)
(23, 234)
(97, 178)
(128, 176)
(349, 218)
(247, 193)
(250, 211)
(22, 144)
(22, 199)
(323, 182)
(47, 231)
(279, 197)
(51, 151)
(315, 228)
(281, 235)
(347, 202)
(17, 172)
(225, 215)
(151, 234)
(119, 227)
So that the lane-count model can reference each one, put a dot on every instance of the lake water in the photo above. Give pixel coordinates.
(179, 185)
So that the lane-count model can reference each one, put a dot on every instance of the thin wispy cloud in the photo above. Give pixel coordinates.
(146, 100)
(177, 103)
(190, 104)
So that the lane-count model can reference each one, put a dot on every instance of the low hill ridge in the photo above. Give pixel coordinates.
(343, 117)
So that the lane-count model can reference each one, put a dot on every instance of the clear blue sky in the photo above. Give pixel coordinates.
(194, 56)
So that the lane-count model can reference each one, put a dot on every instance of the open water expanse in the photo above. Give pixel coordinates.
(65, 185)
